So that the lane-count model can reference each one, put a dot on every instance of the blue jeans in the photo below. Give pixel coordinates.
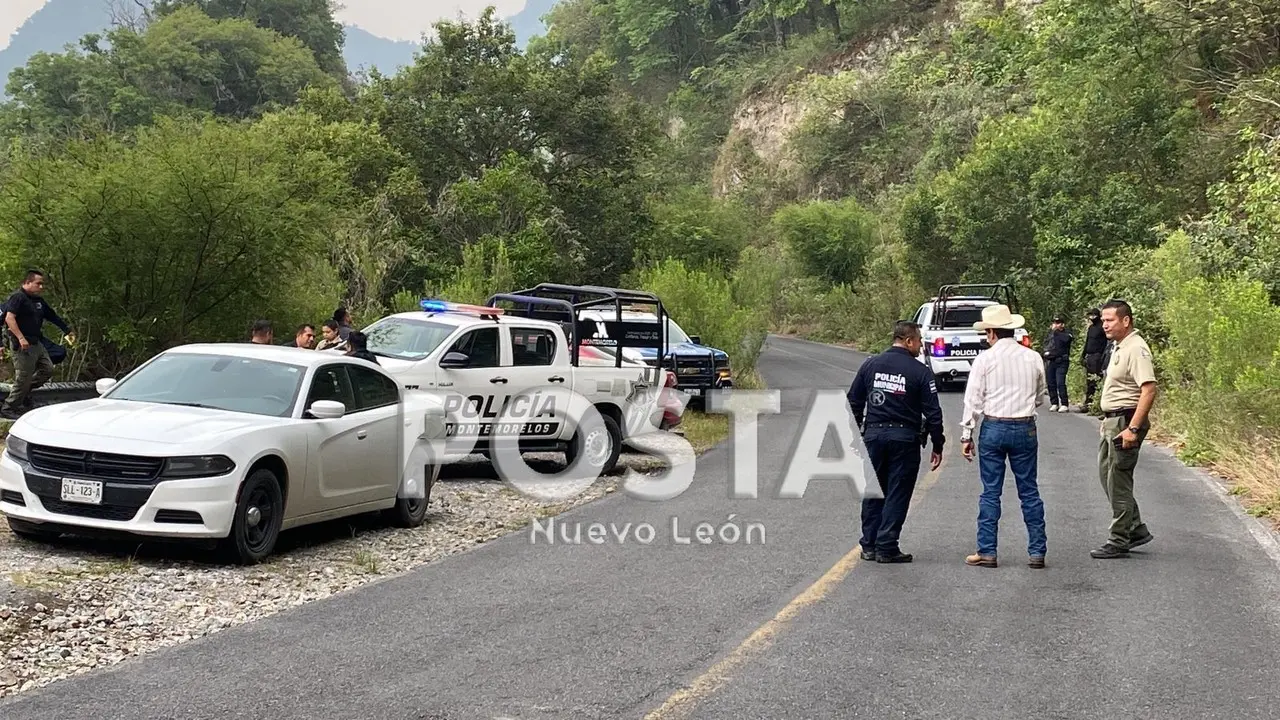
(1015, 440)
(1056, 378)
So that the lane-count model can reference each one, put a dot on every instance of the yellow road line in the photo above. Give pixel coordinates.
(683, 700)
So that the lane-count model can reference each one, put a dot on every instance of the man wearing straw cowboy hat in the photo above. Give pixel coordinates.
(1006, 385)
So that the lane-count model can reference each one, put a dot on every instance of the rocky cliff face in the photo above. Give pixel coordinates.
(765, 122)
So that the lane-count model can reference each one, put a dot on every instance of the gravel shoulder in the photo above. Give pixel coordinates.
(76, 605)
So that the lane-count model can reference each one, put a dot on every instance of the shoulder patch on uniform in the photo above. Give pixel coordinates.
(933, 387)
(1145, 353)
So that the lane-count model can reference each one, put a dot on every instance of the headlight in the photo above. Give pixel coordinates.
(197, 466)
(16, 447)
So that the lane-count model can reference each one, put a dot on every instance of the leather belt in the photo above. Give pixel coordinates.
(1126, 413)
(891, 425)
(1010, 420)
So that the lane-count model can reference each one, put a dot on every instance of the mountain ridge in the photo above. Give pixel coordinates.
(60, 23)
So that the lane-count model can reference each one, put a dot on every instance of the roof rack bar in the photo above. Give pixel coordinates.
(529, 301)
(587, 297)
(949, 292)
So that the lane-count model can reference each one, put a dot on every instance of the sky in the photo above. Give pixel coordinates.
(12, 14)
(393, 19)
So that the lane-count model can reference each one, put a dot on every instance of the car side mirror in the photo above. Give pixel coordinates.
(104, 384)
(455, 360)
(695, 339)
(327, 409)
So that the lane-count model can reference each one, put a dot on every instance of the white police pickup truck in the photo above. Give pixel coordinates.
(506, 375)
(946, 327)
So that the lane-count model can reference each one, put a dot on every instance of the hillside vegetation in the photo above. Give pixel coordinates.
(797, 165)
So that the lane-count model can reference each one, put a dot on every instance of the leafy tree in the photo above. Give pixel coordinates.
(702, 231)
(380, 239)
(474, 105)
(188, 234)
(186, 63)
(508, 206)
(310, 21)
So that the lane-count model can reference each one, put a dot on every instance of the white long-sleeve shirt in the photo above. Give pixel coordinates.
(1006, 381)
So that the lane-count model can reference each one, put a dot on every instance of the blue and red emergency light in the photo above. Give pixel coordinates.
(446, 306)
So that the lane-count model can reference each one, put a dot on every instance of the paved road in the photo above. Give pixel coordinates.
(792, 627)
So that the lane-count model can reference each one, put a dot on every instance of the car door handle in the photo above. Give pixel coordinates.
(449, 384)
(362, 434)
(556, 378)
(498, 380)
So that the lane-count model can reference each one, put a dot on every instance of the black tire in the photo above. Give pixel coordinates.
(412, 512)
(32, 531)
(253, 535)
(578, 442)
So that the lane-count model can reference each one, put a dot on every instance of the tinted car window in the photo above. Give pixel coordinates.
(332, 383)
(373, 390)
(479, 345)
(532, 347)
(962, 317)
(224, 382)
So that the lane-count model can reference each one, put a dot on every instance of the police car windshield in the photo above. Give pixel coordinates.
(405, 338)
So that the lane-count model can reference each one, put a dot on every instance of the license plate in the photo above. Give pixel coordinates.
(694, 391)
(82, 491)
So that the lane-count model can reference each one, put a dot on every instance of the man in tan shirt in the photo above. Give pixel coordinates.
(1128, 393)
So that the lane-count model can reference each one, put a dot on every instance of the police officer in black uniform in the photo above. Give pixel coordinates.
(895, 391)
(1094, 356)
(1057, 356)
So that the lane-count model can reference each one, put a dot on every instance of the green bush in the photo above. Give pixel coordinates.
(703, 304)
(700, 230)
(485, 271)
(188, 234)
(833, 240)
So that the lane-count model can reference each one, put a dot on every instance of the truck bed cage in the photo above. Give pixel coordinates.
(998, 292)
(564, 303)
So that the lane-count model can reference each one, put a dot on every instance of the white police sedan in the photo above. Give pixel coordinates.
(227, 442)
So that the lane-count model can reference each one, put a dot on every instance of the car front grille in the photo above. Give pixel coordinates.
(95, 465)
(97, 512)
(121, 499)
(693, 366)
(693, 370)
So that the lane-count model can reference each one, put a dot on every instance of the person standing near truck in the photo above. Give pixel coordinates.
(1007, 385)
(25, 313)
(1057, 356)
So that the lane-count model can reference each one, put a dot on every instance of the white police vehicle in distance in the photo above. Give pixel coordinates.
(511, 377)
(946, 327)
(225, 442)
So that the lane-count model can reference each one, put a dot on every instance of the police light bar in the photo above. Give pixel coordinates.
(428, 305)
